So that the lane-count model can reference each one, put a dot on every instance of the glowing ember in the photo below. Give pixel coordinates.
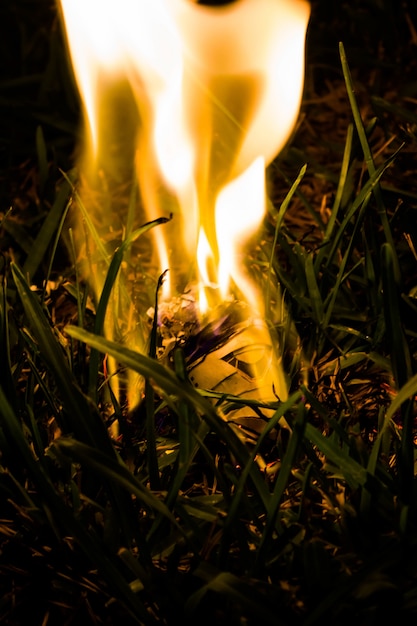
(200, 99)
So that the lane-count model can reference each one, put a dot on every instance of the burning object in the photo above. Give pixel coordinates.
(192, 102)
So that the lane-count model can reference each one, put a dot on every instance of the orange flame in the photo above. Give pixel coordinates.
(215, 93)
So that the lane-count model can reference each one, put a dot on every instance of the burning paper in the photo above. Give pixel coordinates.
(191, 102)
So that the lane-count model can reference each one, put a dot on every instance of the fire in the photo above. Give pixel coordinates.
(193, 102)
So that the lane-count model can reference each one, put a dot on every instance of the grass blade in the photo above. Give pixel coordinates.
(168, 383)
(281, 213)
(102, 308)
(113, 470)
(63, 517)
(365, 148)
(80, 416)
(46, 234)
(287, 465)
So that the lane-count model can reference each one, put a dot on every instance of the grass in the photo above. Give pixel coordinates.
(176, 519)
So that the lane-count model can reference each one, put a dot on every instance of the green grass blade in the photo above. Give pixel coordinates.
(314, 291)
(361, 199)
(109, 284)
(343, 179)
(287, 465)
(341, 275)
(366, 496)
(87, 218)
(365, 146)
(240, 487)
(358, 121)
(168, 383)
(46, 234)
(151, 453)
(54, 247)
(407, 392)
(351, 470)
(188, 424)
(113, 470)
(281, 213)
(80, 415)
(62, 517)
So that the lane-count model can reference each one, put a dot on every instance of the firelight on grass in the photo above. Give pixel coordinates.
(214, 93)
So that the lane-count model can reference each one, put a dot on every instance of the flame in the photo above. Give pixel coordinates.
(238, 208)
(202, 99)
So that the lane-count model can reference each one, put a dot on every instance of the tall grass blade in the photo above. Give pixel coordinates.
(87, 218)
(360, 200)
(54, 247)
(365, 148)
(62, 518)
(113, 470)
(281, 213)
(314, 291)
(109, 284)
(79, 415)
(241, 486)
(341, 274)
(169, 384)
(49, 227)
(287, 465)
(188, 425)
(352, 471)
(151, 453)
(342, 182)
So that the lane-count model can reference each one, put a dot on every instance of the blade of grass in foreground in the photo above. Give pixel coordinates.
(81, 417)
(240, 487)
(287, 465)
(47, 231)
(86, 216)
(281, 213)
(152, 458)
(109, 283)
(115, 471)
(64, 519)
(168, 383)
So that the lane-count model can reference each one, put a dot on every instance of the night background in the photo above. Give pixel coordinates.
(325, 526)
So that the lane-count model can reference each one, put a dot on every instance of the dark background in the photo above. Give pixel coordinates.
(36, 88)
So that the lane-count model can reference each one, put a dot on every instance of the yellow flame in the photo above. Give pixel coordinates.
(238, 208)
(219, 87)
(205, 98)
